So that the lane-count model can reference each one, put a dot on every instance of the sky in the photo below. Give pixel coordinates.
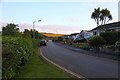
(56, 17)
(119, 11)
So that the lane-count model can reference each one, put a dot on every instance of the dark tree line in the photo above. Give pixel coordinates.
(13, 30)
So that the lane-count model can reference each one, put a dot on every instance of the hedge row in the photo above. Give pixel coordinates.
(16, 52)
(97, 41)
(111, 37)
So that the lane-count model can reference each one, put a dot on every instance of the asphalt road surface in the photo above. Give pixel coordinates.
(85, 65)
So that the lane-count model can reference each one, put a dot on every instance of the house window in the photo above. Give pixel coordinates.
(94, 33)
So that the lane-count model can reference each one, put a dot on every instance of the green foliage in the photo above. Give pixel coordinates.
(10, 29)
(30, 33)
(17, 48)
(16, 52)
(111, 37)
(97, 41)
(81, 45)
(54, 38)
(59, 39)
(27, 33)
(118, 43)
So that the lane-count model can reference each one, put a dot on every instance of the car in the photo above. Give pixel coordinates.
(79, 40)
(43, 43)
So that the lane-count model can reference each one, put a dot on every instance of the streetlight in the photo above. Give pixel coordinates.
(34, 27)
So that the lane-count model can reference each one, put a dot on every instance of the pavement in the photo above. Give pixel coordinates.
(85, 65)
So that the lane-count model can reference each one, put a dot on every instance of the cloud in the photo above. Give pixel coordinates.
(60, 29)
(74, 19)
(64, 29)
(23, 26)
(2, 24)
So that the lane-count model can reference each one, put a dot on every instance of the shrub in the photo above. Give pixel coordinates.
(97, 41)
(59, 39)
(10, 29)
(15, 53)
(118, 43)
(111, 37)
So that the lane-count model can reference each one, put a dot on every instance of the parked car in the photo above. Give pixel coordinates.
(79, 40)
(43, 43)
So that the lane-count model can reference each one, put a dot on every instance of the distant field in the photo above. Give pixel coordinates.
(52, 35)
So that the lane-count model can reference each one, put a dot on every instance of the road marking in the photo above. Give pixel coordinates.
(68, 71)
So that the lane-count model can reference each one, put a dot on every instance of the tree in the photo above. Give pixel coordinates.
(101, 16)
(97, 41)
(60, 38)
(30, 33)
(96, 15)
(10, 29)
(106, 14)
(27, 33)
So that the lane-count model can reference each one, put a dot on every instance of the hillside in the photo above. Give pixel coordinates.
(52, 35)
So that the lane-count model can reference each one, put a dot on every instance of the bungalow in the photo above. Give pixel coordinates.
(107, 27)
(85, 34)
(74, 36)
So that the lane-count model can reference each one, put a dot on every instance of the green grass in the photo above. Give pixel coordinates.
(80, 45)
(38, 68)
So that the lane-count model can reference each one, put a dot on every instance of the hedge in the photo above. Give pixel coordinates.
(16, 52)
(97, 41)
(111, 37)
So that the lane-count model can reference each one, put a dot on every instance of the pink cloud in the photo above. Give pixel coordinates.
(65, 29)
(61, 29)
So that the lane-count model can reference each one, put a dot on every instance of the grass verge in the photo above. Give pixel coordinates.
(38, 68)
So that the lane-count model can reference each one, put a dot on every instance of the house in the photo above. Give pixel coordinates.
(86, 34)
(74, 36)
(107, 27)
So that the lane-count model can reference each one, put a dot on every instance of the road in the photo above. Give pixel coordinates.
(85, 65)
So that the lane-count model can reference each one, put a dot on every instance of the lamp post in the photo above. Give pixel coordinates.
(34, 27)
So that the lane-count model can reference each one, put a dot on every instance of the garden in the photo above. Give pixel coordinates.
(107, 42)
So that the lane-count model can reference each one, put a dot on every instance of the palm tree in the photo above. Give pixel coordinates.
(101, 19)
(106, 14)
(96, 15)
(101, 16)
(109, 17)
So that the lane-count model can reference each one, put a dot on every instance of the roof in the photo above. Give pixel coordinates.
(86, 31)
(74, 34)
(107, 26)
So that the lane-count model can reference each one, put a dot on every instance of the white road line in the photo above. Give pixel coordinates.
(68, 71)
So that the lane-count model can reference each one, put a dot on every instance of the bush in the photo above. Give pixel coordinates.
(111, 37)
(16, 52)
(59, 39)
(97, 41)
(118, 43)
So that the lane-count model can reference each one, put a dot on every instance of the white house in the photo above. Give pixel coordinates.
(86, 34)
(75, 36)
(107, 27)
